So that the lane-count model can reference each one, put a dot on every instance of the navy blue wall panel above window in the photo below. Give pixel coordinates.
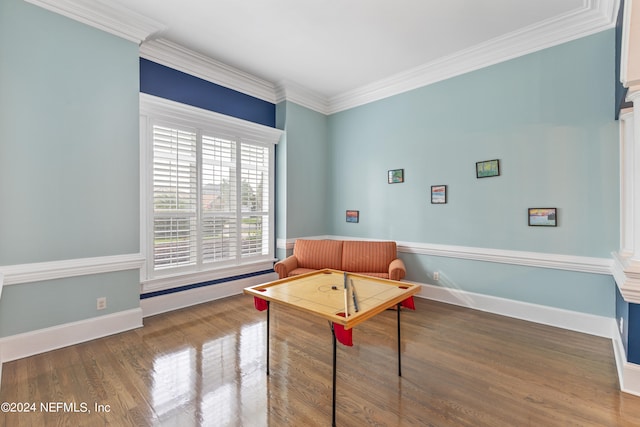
(165, 82)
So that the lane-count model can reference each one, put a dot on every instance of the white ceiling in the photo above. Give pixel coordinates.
(335, 46)
(331, 55)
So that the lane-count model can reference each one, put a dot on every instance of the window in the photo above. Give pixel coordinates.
(208, 190)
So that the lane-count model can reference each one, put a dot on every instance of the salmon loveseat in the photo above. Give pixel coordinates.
(378, 259)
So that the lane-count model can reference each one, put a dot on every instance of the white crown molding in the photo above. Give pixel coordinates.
(293, 92)
(593, 17)
(523, 258)
(106, 16)
(172, 55)
(35, 272)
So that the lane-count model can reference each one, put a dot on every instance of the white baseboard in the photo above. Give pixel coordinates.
(42, 340)
(572, 320)
(630, 382)
(174, 301)
(628, 373)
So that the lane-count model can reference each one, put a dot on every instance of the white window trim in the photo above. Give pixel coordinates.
(153, 109)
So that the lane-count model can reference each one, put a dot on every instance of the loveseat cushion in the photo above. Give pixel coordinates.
(318, 254)
(297, 271)
(367, 256)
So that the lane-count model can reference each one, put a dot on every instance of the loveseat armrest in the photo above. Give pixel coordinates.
(397, 269)
(285, 266)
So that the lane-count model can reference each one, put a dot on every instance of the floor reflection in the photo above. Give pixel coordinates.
(211, 385)
(173, 376)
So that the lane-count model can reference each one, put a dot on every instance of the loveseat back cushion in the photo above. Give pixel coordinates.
(318, 254)
(368, 257)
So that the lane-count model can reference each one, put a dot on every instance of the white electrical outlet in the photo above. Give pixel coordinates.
(622, 325)
(436, 275)
(101, 303)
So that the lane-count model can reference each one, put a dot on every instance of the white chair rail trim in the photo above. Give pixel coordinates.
(35, 272)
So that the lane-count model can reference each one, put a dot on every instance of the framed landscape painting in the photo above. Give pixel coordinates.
(395, 176)
(487, 168)
(438, 194)
(353, 216)
(545, 217)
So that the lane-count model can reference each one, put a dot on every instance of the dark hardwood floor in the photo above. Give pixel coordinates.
(205, 366)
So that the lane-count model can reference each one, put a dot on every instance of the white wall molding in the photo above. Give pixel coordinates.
(293, 92)
(626, 268)
(593, 17)
(630, 378)
(106, 16)
(628, 373)
(626, 272)
(172, 55)
(221, 124)
(35, 272)
(42, 340)
(566, 319)
(174, 281)
(629, 58)
(174, 301)
(523, 258)
(502, 256)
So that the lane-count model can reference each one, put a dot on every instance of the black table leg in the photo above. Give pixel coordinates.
(399, 357)
(333, 416)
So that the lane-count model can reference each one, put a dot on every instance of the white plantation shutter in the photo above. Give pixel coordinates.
(207, 190)
(174, 197)
(255, 199)
(219, 200)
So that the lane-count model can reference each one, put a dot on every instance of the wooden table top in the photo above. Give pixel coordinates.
(322, 293)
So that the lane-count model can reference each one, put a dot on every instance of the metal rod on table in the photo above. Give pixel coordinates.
(355, 297)
(268, 316)
(399, 357)
(346, 297)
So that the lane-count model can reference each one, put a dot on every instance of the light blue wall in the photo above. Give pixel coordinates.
(68, 132)
(548, 118)
(32, 306)
(69, 163)
(568, 290)
(302, 178)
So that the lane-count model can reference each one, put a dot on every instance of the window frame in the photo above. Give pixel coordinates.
(163, 112)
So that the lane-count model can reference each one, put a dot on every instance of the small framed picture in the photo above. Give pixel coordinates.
(545, 217)
(487, 168)
(438, 194)
(395, 176)
(353, 216)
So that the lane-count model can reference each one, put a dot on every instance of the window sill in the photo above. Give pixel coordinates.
(184, 279)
